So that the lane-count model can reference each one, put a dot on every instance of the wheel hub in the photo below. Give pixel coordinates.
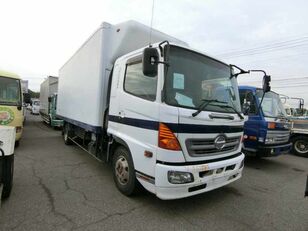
(122, 170)
(301, 146)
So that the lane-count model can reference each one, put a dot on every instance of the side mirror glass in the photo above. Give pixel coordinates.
(149, 62)
(266, 83)
(27, 98)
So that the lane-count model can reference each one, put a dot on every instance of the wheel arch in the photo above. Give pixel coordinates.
(116, 142)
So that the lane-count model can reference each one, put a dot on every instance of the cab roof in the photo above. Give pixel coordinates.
(252, 88)
(246, 87)
(8, 74)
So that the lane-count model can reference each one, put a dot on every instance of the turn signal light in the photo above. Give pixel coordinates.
(166, 139)
(271, 125)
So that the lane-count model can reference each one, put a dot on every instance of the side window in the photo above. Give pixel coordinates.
(138, 84)
(248, 103)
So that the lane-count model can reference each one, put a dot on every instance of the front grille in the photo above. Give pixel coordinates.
(206, 147)
(277, 137)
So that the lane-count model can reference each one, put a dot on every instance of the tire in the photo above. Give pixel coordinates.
(8, 176)
(122, 161)
(300, 146)
(17, 143)
(67, 134)
(48, 121)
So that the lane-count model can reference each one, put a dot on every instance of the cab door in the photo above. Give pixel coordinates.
(253, 124)
(137, 114)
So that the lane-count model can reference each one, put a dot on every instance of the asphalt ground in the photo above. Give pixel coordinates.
(59, 187)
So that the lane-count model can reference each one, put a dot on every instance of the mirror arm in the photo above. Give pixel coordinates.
(165, 63)
(258, 71)
(161, 47)
(237, 74)
(260, 105)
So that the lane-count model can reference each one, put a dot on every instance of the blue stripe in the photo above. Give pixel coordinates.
(146, 124)
(87, 127)
(177, 128)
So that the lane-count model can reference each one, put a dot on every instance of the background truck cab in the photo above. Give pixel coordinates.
(267, 131)
(11, 108)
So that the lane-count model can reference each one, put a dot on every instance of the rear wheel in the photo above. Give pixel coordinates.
(8, 176)
(300, 146)
(67, 134)
(124, 172)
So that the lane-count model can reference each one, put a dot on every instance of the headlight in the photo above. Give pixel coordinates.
(261, 139)
(269, 140)
(175, 177)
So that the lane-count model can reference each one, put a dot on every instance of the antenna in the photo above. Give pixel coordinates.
(151, 28)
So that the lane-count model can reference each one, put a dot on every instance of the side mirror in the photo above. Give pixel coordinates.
(27, 98)
(149, 61)
(266, 83)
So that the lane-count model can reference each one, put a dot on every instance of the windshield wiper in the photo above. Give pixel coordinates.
(205, 103)
(237, 112)
(208, 102)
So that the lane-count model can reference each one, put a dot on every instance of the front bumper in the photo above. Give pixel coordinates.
(273, 150)
(57, 123)
(207, 177)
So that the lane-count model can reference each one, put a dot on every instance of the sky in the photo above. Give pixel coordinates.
(38, 36)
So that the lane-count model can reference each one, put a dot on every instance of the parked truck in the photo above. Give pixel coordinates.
(154, 112)
(267, 130)
(11, 106)
(48, 101)
(7, 141)
(299, 127)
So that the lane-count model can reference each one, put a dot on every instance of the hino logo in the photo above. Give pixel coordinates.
(220, 142)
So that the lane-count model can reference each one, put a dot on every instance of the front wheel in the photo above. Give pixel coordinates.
(300, 146)
(8, 176)
(124, 172)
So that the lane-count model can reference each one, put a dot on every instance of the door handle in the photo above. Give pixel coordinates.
(121, 114)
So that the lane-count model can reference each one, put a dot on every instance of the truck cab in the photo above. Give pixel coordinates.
(194, 152)
(52, 109)
(11, 107)
(267, 130)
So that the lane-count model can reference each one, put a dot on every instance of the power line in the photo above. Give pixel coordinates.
(272, 58)
(264, 51)
(271, 45)
(268, 44)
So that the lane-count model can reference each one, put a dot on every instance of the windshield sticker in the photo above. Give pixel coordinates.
(184, 100)
(178, 81)
(6, 115)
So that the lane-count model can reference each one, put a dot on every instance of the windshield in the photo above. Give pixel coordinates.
(193, 78)
(9, 91)
(271, 105)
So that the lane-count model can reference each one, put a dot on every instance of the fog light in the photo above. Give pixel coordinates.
(175, 177)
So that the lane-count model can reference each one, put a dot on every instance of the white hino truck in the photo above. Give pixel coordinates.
(165, 116)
